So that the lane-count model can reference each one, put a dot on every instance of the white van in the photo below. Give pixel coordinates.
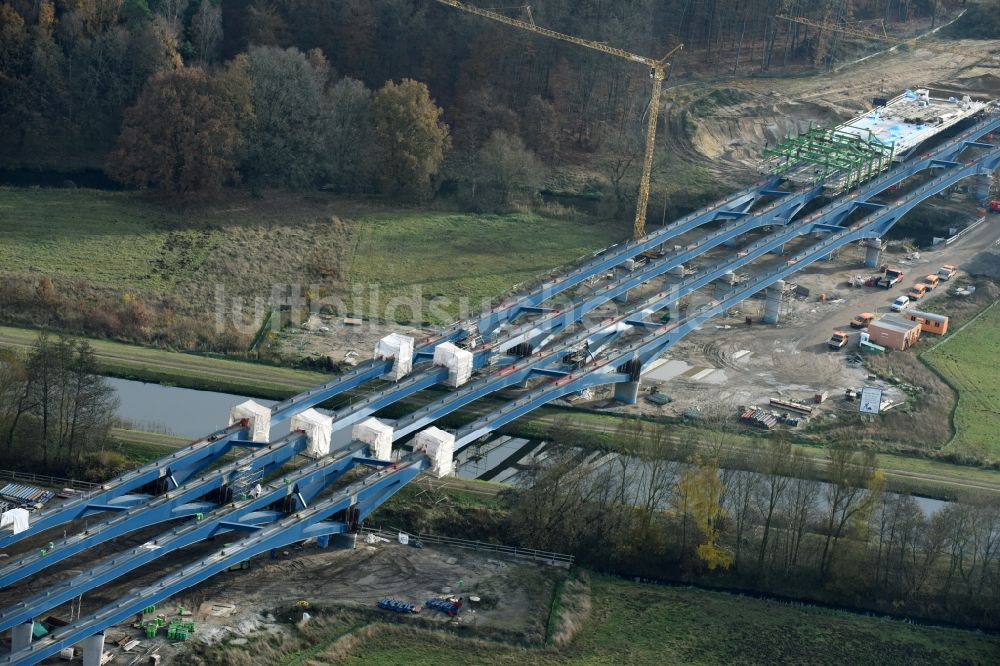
(900, 303)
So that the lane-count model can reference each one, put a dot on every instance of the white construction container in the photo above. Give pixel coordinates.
(259, 418)
(399, 348)
(457, 360)
(377, 435)
(319, 430)
(439, 447)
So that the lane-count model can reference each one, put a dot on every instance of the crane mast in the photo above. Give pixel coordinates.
(657, 72)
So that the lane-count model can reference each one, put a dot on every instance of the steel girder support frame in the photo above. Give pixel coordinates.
(174, 504)
(514, 410)
(180, 466)
(371, 370)
(365, 495)
(433, 411)
(247, 515)
(856, 158)
(408, 386)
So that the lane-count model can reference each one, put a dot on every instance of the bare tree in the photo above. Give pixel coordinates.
(507, 167)
(206, 32)
(15, 397)
(846, 495)
(776, 466)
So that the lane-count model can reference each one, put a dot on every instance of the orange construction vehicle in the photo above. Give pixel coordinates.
(838, 340)
(917, 291)
(862, 320)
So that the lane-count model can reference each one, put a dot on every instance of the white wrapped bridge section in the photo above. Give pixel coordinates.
(439, 447)
(258, 416)
(377, 435)
(319, 430)
(399, 348)
(457, 360)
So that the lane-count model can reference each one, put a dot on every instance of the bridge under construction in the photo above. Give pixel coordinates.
(559, 337)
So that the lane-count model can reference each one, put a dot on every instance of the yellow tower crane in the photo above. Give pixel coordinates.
(657, 68)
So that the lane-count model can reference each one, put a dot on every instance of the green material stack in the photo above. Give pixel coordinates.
(179, 631)
(151, 628)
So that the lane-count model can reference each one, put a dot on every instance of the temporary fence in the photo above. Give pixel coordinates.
(555, 559)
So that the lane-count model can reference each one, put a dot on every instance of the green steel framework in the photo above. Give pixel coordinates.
(859, 157)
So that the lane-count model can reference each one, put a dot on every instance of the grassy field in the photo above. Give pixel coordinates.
(145, 447)
(641, 624)
(189, 370)
(970, 361)
(121, 241)
(105, 238)
(454, 257)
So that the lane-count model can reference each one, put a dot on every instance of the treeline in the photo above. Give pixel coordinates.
(774, 530)
(183, 95)
(56, 412)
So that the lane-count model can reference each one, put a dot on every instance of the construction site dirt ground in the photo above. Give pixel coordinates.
(729, 364)
(238, 606)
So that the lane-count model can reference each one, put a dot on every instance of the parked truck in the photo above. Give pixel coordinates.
(917, 291)
(838, 340)
(947, 272)
(862, 320)
(891, 277)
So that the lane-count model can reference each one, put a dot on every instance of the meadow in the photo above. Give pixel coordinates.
(970, 361)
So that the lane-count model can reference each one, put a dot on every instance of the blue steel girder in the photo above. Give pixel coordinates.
(408, 386)
(169, 506)
(551, 372)
(309, 481)
(307, 523)
(989, 164)
(506, 377)
(372, 369)
(617, 255)
(655, 344)
(186, 462)
(533, 400)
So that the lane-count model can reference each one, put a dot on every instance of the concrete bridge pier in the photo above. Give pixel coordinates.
(772, 302)
(627, 392)
(93, 649)
(873, 252)
(723, 285)
(20, 635)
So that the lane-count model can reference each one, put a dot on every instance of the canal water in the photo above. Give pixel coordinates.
(193, 414)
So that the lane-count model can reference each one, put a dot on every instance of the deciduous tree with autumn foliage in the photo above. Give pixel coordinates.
(180, 136)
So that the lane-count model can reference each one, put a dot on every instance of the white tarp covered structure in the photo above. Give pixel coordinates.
(439, 447)
(400, 348)
(16, 519)
(377, 435)
(259, 418)
(457, 360)
(319, 430)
